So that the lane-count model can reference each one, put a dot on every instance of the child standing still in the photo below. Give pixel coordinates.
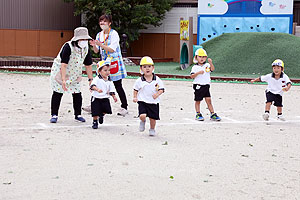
(278, 82)
(102, 88)
(201, 84)
(147, 90)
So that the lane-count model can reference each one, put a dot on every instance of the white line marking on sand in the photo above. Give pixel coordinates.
(43, 125)
(191, 122)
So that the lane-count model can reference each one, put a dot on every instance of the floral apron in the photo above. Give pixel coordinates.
(73, 71)
(116, 56)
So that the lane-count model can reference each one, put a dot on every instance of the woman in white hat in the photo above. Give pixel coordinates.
(107, 43)
(66, 72)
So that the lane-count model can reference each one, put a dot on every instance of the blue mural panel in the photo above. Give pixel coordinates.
(216, 17)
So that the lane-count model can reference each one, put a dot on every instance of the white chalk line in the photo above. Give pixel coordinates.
(43, 126)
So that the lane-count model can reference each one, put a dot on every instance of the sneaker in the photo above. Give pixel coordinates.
(122, 112)
(78, 118)
(100, 119)
(280, 117)
(95, 125)
(215, 117)
(199, 117)
(266, 116)
(151, 132)
(142, 126)
(53, 119)
(87, 109)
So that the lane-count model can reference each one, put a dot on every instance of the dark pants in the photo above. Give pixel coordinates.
(121, 93)
(56, 99)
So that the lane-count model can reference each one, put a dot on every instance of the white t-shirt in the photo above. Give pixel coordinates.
(202, 79)
(147, 89)
(276, 85)
(107, 87)
(115, 39)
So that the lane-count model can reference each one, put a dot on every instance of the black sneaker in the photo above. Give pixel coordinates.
(100, 119)
(95, 125)
(215, 117)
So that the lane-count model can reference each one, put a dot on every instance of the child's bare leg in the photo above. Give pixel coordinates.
(95, 118)
(268, 106)
(152, 123)
(209, 104)
(279, 114)
(143, 117)
(267, 111)
(142, 122)
(279, 110)
(197, 106)
(152, 127)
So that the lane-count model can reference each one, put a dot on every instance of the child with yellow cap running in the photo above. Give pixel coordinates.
(102, 88)
(201, 74)
(278, 82)
(146, 92)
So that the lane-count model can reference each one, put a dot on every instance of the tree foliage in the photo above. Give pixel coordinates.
(129, 16)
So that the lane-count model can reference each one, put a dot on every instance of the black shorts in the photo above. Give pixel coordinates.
(277, 98)
(100, 106)
(201, 91)
(151, 110)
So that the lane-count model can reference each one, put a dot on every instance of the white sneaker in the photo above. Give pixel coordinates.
(122, 112)
(280, 117)
(142, 126)
(152, 132)
(266, 116)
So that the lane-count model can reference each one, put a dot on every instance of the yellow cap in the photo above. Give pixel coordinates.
(102, 63)
(146, 60)
(278, 62)
(199, 52)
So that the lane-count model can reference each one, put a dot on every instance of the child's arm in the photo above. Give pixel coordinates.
(135, 92)
(255, 80)
(94, 88)
(289, 85)
(212, 67)
(159, 92)
(194, 75)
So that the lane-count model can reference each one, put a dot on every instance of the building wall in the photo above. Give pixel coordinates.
(35, 27)
(38, 15)
(15, 42)
(163, 41)
(158, 45)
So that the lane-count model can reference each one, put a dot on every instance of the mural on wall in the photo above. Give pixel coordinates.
(216, 17)
(184, 29)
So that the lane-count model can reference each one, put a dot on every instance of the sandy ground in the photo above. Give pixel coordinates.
(241, 157)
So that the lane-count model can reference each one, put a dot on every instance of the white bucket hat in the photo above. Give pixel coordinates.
(81, 33)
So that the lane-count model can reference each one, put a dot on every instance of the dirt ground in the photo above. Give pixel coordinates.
(240, 157)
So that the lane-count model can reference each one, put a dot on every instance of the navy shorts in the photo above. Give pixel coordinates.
(277, 98)
(151, 110)
(100, 106)
(201, 91)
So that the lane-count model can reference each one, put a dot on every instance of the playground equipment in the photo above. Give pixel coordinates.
(216, 17)
(186, 42)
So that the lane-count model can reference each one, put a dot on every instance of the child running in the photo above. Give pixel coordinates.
(201, 84)
(147, 90)
(102, 88)
(278, 82)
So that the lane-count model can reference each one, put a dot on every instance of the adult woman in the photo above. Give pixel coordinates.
(66, 72)
(107, 43)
